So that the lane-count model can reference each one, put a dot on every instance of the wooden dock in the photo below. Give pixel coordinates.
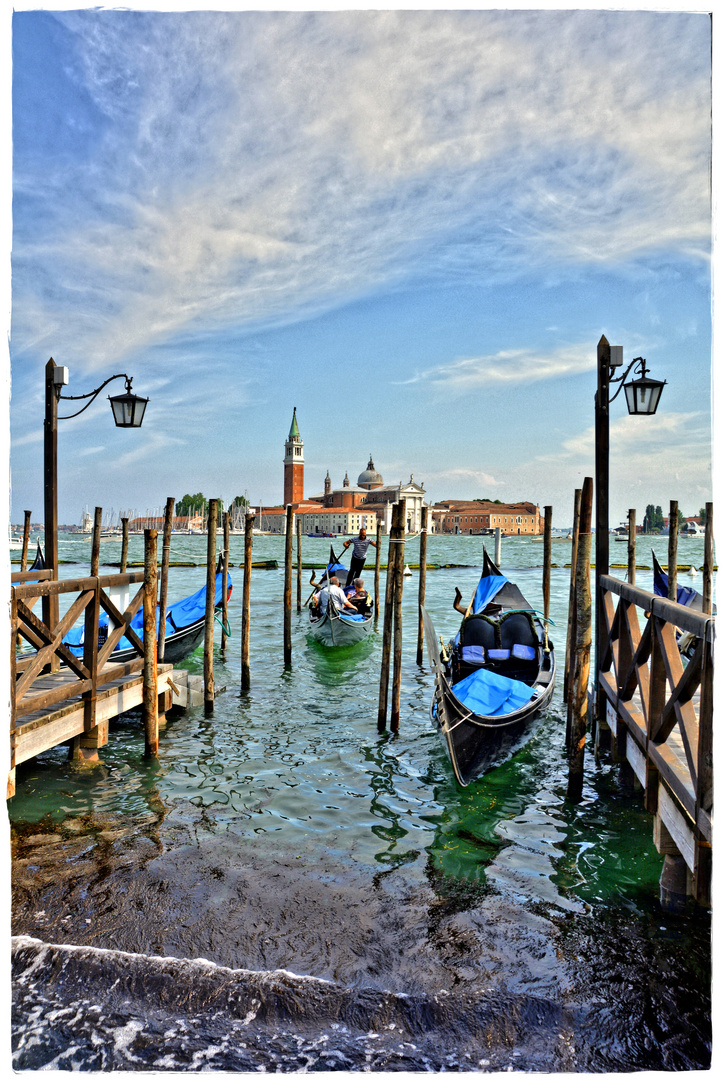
(58, 697)
(658, 707)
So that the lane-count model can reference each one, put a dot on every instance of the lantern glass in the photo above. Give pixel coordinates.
(128, 409)
(643, 396)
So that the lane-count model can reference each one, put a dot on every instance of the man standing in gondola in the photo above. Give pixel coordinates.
(358, 555)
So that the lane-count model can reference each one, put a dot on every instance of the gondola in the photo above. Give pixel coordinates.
(185, 626)
(335, 627)
(685, 594)
(494, 677)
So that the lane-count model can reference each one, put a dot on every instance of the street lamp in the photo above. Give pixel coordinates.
(128, 410)
(642, 396)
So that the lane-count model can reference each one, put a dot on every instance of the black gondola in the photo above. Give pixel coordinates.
(493, 678)
(185, 627)
(335, 627)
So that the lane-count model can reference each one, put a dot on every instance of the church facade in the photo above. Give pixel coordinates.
(344, 510)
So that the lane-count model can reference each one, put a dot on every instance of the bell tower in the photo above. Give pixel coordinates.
(294, 465)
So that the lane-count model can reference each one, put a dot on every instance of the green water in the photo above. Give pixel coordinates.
(503, 880)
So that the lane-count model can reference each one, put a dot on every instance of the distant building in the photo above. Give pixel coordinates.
(475, 517)
(343, 510)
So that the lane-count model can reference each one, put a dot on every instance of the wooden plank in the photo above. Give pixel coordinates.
(679, 825)
(58, 588)
(45, 732)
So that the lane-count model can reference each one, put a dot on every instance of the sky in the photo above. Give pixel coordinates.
(412, 225)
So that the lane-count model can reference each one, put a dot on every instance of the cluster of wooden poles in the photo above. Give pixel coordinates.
(576, 691)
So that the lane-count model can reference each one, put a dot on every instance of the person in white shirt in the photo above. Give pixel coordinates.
(334, 589)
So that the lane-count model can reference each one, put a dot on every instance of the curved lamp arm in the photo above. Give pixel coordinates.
(621, 378)
(92, 394)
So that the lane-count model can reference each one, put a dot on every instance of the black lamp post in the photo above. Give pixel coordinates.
(128, 410)
(642, 396)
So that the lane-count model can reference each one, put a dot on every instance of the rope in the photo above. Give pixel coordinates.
(224, 625)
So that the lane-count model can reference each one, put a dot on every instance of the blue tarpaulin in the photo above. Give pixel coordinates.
(179, 615)
(487, 589)
(489, 694)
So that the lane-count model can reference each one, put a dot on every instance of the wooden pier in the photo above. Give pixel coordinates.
(59, 698)
(659, 711)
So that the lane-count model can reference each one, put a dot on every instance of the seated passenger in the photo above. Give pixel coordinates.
(360, 598)
(334, 590)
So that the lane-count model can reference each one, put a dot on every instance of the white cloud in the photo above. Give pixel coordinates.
(507, 366)
(255, 164)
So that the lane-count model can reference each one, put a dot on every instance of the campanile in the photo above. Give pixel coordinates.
(294, 465)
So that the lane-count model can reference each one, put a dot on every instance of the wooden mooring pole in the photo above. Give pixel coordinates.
(26, 541)
(422, 583)
(298, 564)
(632, 546)
(124, 547)
(246, 602)
(569, 644)
(708, 560)
(150, 656)
(209, 689)
(377, 564)
(673, 551)
(583, 640)
(388, 621)
(288, 558)
(165, 560)
(398, 590)
(224, 578)
(498, 547)
(546, 564)
(95, 542)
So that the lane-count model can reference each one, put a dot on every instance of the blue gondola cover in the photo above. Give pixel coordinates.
(489, 694)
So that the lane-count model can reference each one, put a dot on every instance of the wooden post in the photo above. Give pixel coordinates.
(498, 546)
(246, 602)
(150, 662)
(602, 507)
(124, 547)
(298, 563)
(387, 628)
(583, 639)
(26, 541)
(546, 562)
(398, 589)
(708, 560)
(288, 558)
(95, 544)
(50, 491)
(377, 564)
(224, 579)
(569, 646)
(673, 551)
(208, 684)
(165, 559)
(422, 583)
(632, 546)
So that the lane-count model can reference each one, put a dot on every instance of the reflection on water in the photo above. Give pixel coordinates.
(284, 832)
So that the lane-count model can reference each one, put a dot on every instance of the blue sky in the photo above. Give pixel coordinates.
(414, 226)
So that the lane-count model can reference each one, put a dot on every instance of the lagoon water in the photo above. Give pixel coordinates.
(286, 889)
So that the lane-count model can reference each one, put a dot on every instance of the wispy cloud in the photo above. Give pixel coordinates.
(506, 366)
(249, 164)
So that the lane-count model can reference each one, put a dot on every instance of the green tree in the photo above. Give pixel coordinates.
(701, 515)
(197, 504)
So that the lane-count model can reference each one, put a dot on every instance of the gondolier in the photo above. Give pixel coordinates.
(358, 554)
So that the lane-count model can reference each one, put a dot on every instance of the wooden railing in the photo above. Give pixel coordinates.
(665, 705)
(49, 653)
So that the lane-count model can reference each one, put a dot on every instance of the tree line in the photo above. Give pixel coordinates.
(654, 521)
(198, 504)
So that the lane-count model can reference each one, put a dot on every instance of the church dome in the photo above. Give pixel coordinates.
(370, 478)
